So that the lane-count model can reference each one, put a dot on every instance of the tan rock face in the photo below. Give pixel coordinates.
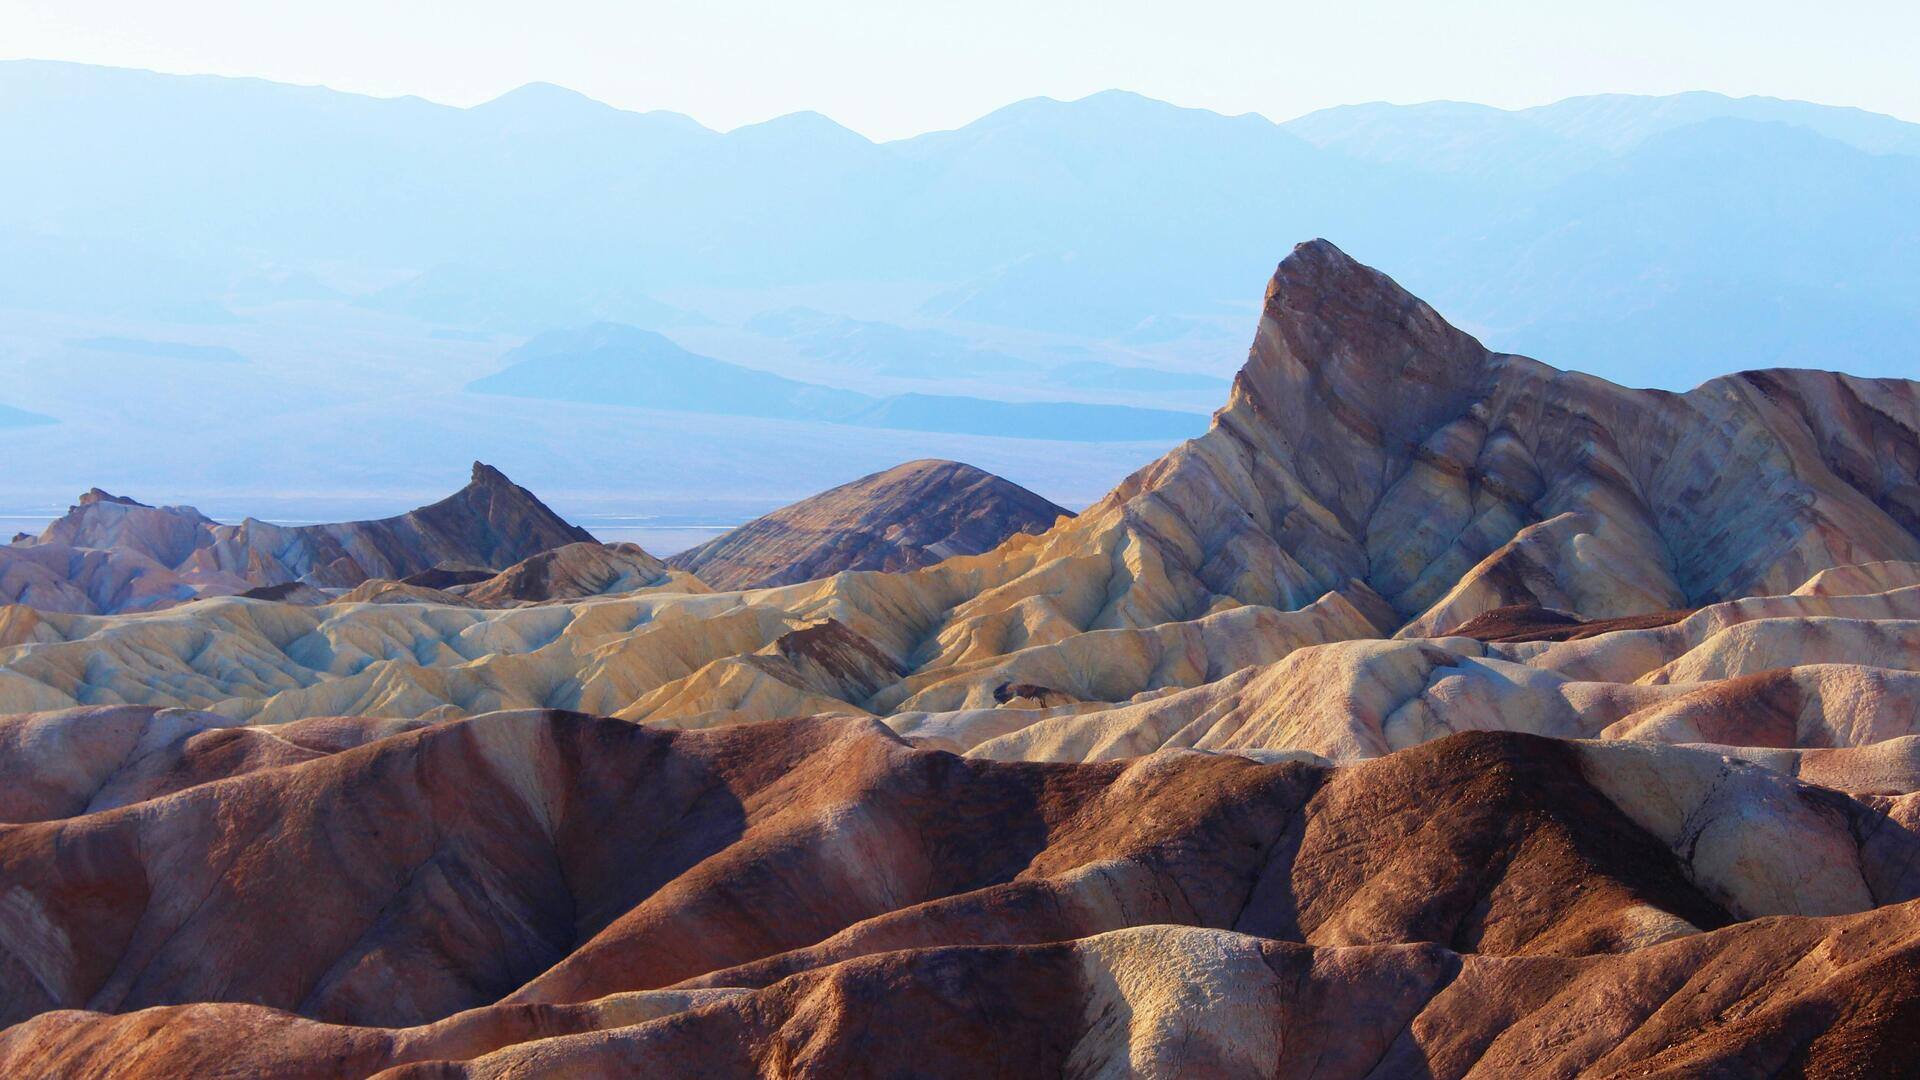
(906, 517)
(1437, 713)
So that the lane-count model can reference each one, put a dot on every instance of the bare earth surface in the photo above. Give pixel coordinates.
(909, 516)
(1436, 714)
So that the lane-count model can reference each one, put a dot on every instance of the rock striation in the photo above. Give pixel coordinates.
(1436, 713)
(790, 884)
(574, 571)
(492, 522)
(906, 517)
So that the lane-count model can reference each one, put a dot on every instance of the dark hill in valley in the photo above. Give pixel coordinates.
(905, 517)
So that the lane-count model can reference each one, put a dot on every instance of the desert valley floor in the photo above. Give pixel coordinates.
(1437, 713)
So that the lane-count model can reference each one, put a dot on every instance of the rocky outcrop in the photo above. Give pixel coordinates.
(1530, 622)
(575, 571)
(492, 522)
(110, 554)
(906, 517)
(1368, 439)
(57, 577)
(169, 535)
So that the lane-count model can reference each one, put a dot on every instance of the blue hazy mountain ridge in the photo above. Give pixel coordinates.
(1099, 374)
(11, 417)
(1808, 259)
(1068, 421)
(1618, 121)
(902, 352)
(883, 348)
(1650, 240)
(162, 350)
(610, 364)
(515, 301)
(1550, 142)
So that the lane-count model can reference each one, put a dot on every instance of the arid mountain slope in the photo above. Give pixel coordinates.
(1367, 439)
(57, 577)
(169, 535)
(906, 517)
(574, 571)
(745, 880)
(492, 522)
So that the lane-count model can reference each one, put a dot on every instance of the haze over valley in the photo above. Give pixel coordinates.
(224, 291)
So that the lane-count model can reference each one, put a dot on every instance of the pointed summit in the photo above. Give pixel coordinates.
(100, 495)
(1338, 337)
(485, 475)
(542, 99)
(490, 523)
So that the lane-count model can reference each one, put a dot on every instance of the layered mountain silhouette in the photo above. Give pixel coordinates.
(1657, 240)
(11, 417)
(611, 364)
(1437, 712)
(907, 517)
(883, 348)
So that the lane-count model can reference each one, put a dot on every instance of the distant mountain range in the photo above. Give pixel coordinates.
(161, 350)
(884, 348)
(11, 417)
(1652, 240)
(612, 364)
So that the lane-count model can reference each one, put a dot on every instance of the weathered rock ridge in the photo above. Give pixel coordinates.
(903, 518)
(110, 554)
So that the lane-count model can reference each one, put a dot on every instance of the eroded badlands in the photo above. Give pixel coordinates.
(1437, 713)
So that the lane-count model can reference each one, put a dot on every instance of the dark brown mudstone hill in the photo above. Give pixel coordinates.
(819, 897)
(1529, 622)
(909, 516)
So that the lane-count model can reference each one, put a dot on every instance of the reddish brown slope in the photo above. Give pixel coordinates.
(443, 868)
(1783, 997)
(909, 516)
(492, 522)
(794, 896)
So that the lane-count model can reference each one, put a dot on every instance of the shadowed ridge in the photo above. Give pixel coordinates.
(902, 518)
(498, 519)
(109, 553)
(491, 522)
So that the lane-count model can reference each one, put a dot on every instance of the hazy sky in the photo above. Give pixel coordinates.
(896, 68)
